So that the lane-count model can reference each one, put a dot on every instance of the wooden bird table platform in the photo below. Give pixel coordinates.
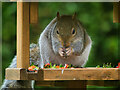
(70, 78)
(64, 74)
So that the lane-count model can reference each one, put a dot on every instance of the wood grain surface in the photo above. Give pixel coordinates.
(22, 35)
(64, 74)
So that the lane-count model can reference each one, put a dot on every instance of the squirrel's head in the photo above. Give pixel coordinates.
(67, 32)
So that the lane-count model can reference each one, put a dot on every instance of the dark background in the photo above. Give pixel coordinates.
(96, 17)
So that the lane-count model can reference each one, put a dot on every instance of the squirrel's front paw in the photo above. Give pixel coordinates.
(65, 52)
(61, 52)
(69, 51)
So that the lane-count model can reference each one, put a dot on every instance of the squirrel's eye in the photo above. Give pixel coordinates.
(73, 31)
(57, 32)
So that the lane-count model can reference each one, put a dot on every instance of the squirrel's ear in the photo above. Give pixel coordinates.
(58, 15)
(74, 15)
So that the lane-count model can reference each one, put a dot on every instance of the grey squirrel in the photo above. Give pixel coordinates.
(63, 41)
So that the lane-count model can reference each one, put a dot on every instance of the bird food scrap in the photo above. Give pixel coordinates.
(34, 68)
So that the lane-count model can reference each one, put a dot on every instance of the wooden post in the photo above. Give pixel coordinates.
(22, 35)
(33, 12)
(116, 12)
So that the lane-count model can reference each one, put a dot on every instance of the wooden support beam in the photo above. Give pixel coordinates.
(107, 83)
(82, 74)
(22, 35)
(22, 74)
(65, 83)
(33, 12)
(116, 12)
(66, 74)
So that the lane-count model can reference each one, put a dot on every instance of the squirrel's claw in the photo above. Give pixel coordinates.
(61, 52)
(65, 52)
(69, 51)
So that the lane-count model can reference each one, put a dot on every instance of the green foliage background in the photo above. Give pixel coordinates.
(96, 17)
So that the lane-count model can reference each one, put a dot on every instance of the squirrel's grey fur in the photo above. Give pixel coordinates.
(10, 84)
(45, 52)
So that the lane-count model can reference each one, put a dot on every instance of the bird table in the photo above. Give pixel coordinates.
(27, 13)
